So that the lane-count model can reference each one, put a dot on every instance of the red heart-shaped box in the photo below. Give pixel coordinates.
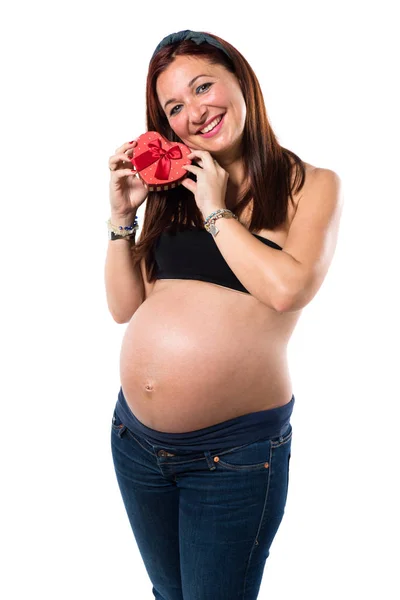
(158, 161)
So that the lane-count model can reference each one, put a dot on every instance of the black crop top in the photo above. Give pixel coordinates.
(193, 254)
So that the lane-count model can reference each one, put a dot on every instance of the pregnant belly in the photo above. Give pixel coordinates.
(194, 358)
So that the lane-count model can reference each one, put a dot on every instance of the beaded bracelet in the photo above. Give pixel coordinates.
(123, 230)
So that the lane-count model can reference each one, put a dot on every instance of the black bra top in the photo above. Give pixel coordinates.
(193, 254)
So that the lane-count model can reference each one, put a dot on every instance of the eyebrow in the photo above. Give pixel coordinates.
(189, 85)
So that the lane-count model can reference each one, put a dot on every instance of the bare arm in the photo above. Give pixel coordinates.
(125, 290)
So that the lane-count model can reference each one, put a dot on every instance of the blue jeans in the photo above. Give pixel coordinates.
(203, 521)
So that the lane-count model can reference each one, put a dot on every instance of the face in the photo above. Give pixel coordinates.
(214, 92)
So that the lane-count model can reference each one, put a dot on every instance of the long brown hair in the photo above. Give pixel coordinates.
(267, 165)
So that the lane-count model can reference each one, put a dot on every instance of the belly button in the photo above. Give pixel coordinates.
(148, 387)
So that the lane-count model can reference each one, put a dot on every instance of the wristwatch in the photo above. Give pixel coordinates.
(115, 236)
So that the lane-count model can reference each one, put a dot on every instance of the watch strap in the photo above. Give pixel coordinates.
(116, 236)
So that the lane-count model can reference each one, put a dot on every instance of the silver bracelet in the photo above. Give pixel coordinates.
(209, 223)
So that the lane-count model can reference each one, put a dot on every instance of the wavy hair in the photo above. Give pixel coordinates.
(267, 165)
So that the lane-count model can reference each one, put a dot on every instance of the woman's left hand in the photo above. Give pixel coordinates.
(210, 189)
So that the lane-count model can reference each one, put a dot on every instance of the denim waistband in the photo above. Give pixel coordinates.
(264, 424)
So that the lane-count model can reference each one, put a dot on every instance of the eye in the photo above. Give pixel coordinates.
(172, 113)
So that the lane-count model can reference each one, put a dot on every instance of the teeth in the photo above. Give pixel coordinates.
(211, 125)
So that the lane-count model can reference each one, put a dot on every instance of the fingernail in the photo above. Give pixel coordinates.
(132, 142)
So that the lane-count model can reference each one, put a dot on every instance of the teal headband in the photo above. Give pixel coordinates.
(196, 36)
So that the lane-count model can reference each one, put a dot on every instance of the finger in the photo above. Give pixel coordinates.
(197, 151)
(189, 185)
(124, 157)
(121, 151)
(192, 168)
(119, 173)
(126, 146)
(118, 161)
(202, 154)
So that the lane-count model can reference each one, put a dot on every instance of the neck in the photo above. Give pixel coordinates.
(235, 182)
(235, 187)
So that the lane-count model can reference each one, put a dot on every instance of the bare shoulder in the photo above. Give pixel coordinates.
(317, 176)
(314, 171)
(297, 196)
(326, 182)
(309, 168)
(310, 171)
(317, 181)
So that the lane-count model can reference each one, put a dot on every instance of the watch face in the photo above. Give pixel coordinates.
(115, 236)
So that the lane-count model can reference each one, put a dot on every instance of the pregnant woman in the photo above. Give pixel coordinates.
(201, 433)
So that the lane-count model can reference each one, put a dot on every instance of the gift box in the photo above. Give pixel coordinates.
(159, 162)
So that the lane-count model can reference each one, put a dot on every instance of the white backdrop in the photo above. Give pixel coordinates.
(73, 91)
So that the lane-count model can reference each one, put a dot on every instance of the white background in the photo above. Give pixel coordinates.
(73, 79)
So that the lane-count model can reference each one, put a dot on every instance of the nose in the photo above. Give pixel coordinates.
(197, 115)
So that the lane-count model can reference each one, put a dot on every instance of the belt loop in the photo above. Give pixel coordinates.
(121, 430)
(210, 461)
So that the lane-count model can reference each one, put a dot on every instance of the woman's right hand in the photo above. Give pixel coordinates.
(127, 191)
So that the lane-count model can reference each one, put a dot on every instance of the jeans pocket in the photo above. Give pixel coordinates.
(116, 423)
(250, 457)
(254, 456)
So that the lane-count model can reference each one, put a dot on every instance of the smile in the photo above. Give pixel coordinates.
(213, 128)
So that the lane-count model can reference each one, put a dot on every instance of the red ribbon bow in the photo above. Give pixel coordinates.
(157, 152)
